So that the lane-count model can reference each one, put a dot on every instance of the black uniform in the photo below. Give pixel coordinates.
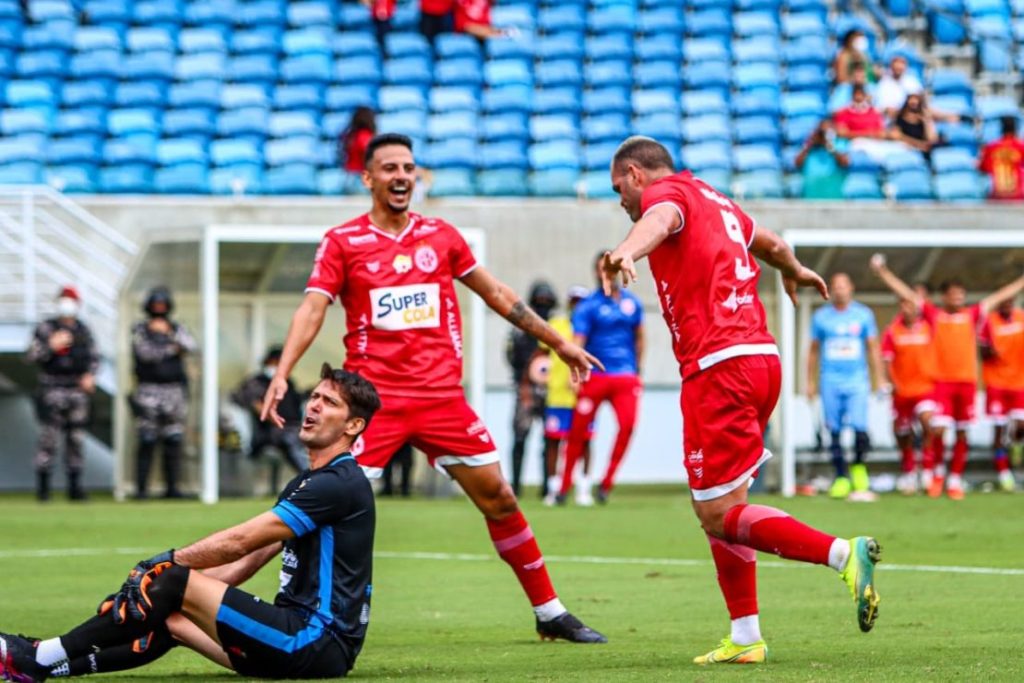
(318, 621)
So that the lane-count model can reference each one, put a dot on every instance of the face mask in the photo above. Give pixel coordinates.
(67, 307)
(860, 44)
(269, 370)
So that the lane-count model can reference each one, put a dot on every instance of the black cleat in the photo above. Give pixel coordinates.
(18, 660)
(560, 500)
(602, 495)
(568, 627)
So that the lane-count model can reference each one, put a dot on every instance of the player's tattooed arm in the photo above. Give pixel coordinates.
(230, 545)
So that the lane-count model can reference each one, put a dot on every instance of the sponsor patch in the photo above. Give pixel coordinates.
(362, 239)
(402, 264)
(407, 307)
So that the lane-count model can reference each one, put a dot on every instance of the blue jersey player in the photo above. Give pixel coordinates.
(844, 343)
(322, 525)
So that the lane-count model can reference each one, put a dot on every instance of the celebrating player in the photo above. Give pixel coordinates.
(955, 329)
(845, 338)
(1002, 368)
(610, 326)
(699, 244)
(394, 272)
(324, 523)
(909, 357)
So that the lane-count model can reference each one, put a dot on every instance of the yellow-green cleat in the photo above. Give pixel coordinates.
(859, 576)
(728, 652)
(859, 477)
(841, 488)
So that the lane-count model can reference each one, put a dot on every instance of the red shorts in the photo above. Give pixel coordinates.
(725, 412)
(1003, 405)
(448, 430)
(956, 402)
(907, 409)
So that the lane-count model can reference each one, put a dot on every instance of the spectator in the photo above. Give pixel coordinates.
(436, 17)
(382, 12)
(160, 401)
(895, 86)
(914, 125)
(842, 94)
(64, 350)
(474, 17)
(822, 161)
(353, 140)
(401, 461)
(854, 51)
(1003, 161)
(859, 119)
(250, 394)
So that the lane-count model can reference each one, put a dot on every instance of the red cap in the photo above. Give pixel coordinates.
(69, 292)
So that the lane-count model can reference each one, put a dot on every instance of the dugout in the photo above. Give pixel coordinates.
(236, 287)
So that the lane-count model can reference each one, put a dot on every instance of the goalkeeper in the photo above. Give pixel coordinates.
(323, 522)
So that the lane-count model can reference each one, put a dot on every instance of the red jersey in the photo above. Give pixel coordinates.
(472, 12)
(436, 8)
(706, 278)
(382, 10)
(956, 342)
(1005, 369)
(911, 355)
(404, 330)
(1003, 160)
(868, 121)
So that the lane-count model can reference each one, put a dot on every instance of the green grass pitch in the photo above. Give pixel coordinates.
(461, 616)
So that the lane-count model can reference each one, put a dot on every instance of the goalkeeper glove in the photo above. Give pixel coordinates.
(133, 598)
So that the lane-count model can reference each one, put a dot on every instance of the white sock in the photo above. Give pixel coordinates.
(554, 484)
(50, 652)
(746, 630)
(954, 482)
(552, 609)
(838, 554)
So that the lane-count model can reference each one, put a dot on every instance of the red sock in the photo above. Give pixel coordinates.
(907, 463)
(514, 541)
(737, 576)
(959, 463)
(928, 452)
(771, 530)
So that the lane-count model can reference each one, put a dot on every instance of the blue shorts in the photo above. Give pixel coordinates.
(845, 405)
(557, 422)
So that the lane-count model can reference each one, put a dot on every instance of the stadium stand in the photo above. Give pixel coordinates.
(733, 87)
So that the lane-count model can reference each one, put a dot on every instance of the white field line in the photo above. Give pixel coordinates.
(567, 559)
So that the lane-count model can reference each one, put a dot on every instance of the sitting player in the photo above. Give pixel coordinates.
(324, 523)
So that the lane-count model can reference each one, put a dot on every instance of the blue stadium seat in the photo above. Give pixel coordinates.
(506, 154)
(951, 82)
(705, 156)
(47, 10)
(454, 125)
(702, 102)
(810, 50)
(755, 104)
(295, 150)
(80, 150)
(126, 179)
(706, 128)
(150, 39)
(411, 123)
(238, 95)
(188, 123)
(709, 76)
(135, 151)
(501, 183)
(799, 25)
(332, 125)
(297, 97)
(401, 97)
(796, 129)
(355, 43)
(99, 64)
(148, 65)
(661, 21)
(408, 71)
(756, 129)
(605, 128)
(195, 94)
(652, 74)
(158, 13)
(905, 160)
(953, 104)
(994, 55)
(18, 149)
(200, 66)
(760, 76)
(613, 73)
(348, 97)
(698, 50)
(556, 101)
(557, 127)
(450, 153)
(806, 77)
(140, 94)
(354, 16)
(599, 156)
(83, 121)
(89, 38)
(335, 182)
(306, 42)
(261, 13)
(559, 46)
(458, 72)
(946, 27)
(292, 179)
(253, 68)
(861, 186)
(504, 127)
(260, 41)
(21, 173)
(802, 104)
(519, 16)
(709, 23)
(658, 47)
(193, 40)
(911, 185)
(567, 17)
(750, 24)
(176, 151)
(553, 183)
(597, 185)
(662, 127)
(507, 72)
(958, 186)
(402, 45)
(756, 50)
(952, 160)
(507, 48)
(108, 12)
(55, 35)
(457, 46)
(512, 98)
(41, 64)
(29, 94)
(994, 106)
(182, 179)
(303, 14)
(290, 124)
(655, 102)
(307, 68)
(351, 70)
(211, 13)
(607, 101)
(759, 185)
(613, 46)
(75, 178)
(559, 73)
(250, 122)
(452, 182)
(755, 158)
(230, 152)
(445, 99)
(237, 179)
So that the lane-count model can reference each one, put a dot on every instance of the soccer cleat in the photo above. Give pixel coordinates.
(859, 576)
(862, 497)
(840, 488)
(955, 492)
(907, 484)
(935, 488)
(550, 500)
(859, 477)
(602, 495)
(18, 660)
(1006, 482)
(728, 652)
(568, 627)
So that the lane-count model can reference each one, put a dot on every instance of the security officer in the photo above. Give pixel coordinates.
(530, 394)
(65, 352)
(160, 402)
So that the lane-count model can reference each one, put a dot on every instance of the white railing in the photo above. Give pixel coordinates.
(48, 241)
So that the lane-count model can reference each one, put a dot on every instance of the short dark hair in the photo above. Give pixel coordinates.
(949, 284)
(1008, 124)
(858, 88)
(645, 152)
(385, 140)
(360, 395)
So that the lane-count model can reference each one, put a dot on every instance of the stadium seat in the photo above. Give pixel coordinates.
(518, 16)
(210, 14)
(457, 46)
(553, 183)
(451, 153)
(704, 156)
(292, 179)
(176, 151)
(404, 45)
(201, 40)
(664, 127)
(654, 102)
(556, 101)
(347, 97)
(509, 49)
(706, 128)
(755, 24)
(658, 47)
(47, 10)
(203, 65)
(559, 73)
(615, 46)
(333, 124)
(136, 151)
(501, 183)
(755, 104)
(458, 72)
(188, 123)
(229, 152)
(709, 76)
(513, 98)
(158, 13)
(796, 129)
(604, 128)
(411, 123)
(652, 74)
(802, 104)
(140, 94)
(80, 121)
(702, 102)
(661, 21)
(567, 17)
(148, 65)
(195, 94)
(150, 39)
(131, 121)
(182, 179)
(597, 185)
(709, 23)
(612, 73)
(905, 160)
(606, 101)
(756, 129)
(251, 122)
(254, 68)
(126, 179)
(812, 50)
(295, 150)
(292, 123)
(297, 97)
(958, 186)
(755, 158)
(41, 64)
(307, 68)
(558, 127)
(397, 98)
(502, 155)
(56, 35)
(98, 64)
(262, 41)
(599, 156)
(910, 185)
(303, 14)
(74, 178)
(509, 126)
(310, 41)
(756, 50)
(238, 95)
(354, 16)
(861, 186)
(261, 13)
(78, 150)
(560, 46)
(78, 94)
(445, 99)
(452, 182)
(545, 156)
(108, 12)
(237, 179)
(498, 74)
(758, 185)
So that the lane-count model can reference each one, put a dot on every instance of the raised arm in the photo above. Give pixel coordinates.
(506, 303)
(1000, 295)
(898, 286)
(774, 251)
(306, 323)
(644, 237)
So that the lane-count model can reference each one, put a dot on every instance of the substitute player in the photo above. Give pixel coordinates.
(1002, 368)
(955, 327)
(844, 338)
(394, 273)
(699, 244)
(323, 522)
(909, 357)
(610, 326)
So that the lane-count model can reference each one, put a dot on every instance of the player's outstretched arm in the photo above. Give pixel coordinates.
(306, 323)
(997, 297)
(774, 251)
(506, 303)
(644, 237)
(898, 286)
(230, 545)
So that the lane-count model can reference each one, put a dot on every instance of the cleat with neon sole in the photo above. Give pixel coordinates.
(728, 652)
(859, 576)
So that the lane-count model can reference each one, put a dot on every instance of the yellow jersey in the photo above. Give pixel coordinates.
(560, 391)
